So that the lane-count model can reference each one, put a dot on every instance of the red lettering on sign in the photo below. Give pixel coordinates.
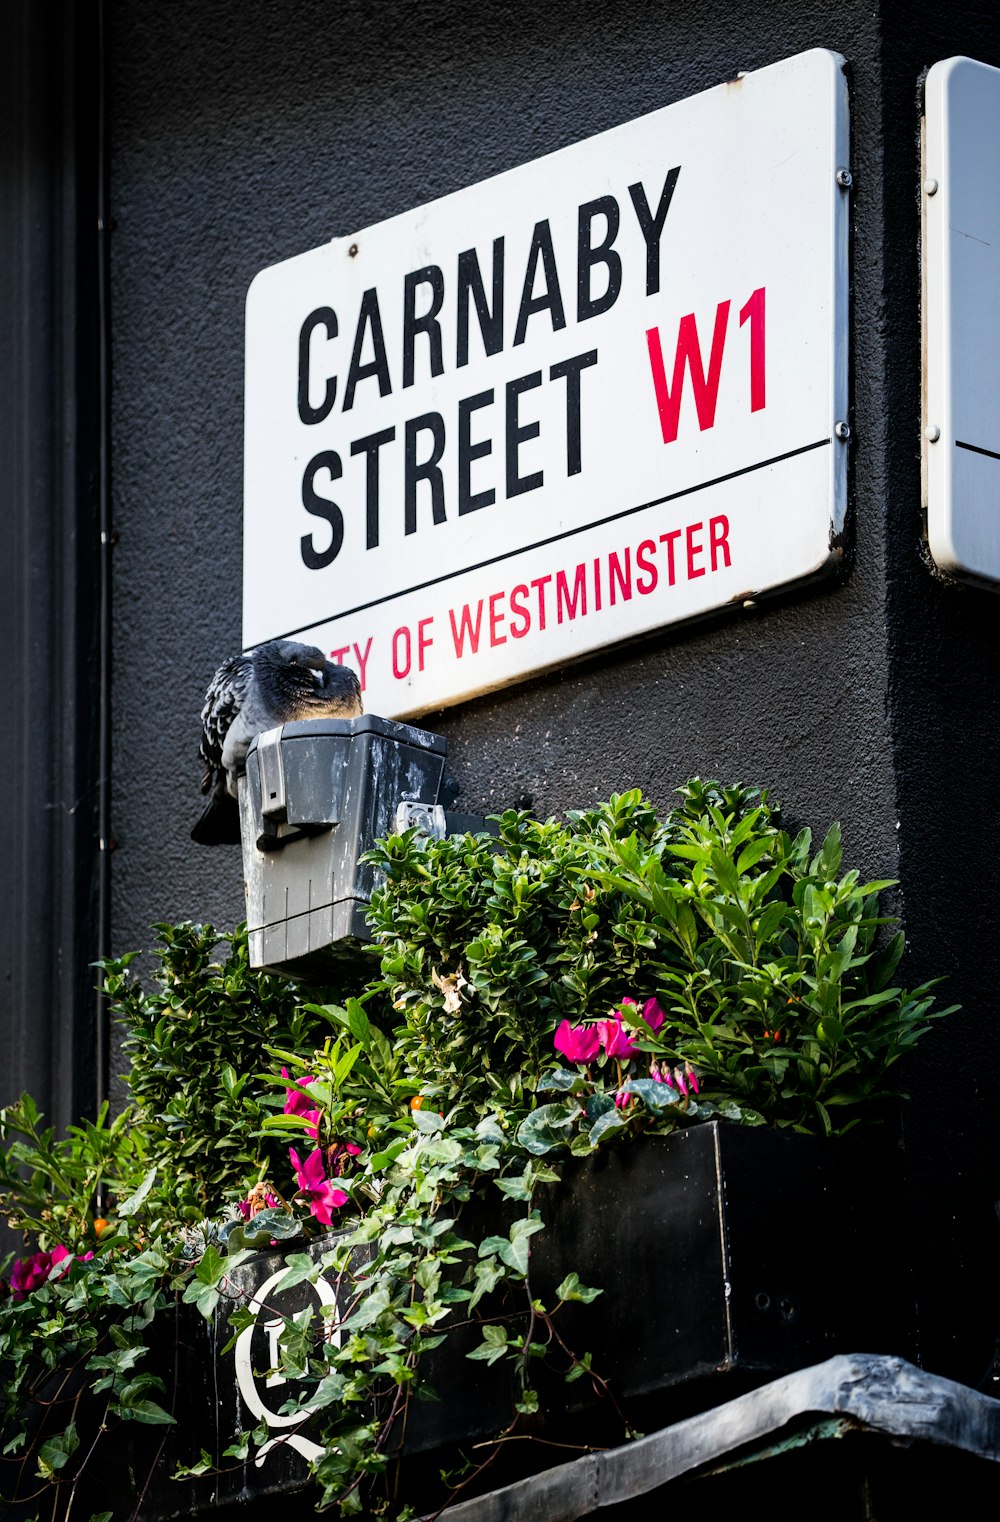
(496, 619)
(424, 641)
(694, 549)
(465, 629)
(754, 310)
(402, 658)
(518, 610)
(362, 660)
(668, 540)
(621, 580)
(579, 593)
(541, 582)
(718, 539)
(642, 560)
(688, 357)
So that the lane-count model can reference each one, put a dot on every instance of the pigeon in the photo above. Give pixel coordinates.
(274, 684)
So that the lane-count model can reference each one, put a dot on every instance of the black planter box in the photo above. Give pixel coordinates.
(727, 1256)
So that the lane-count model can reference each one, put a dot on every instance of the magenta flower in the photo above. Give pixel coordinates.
(298, 1104)
(615, 1039)
(323, 1196)
(338, 1157)
(30, 1273)
(580, 1043)
(248, 1208)
(653, 1014)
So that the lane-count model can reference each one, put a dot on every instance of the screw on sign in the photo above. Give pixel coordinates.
(250, 1382)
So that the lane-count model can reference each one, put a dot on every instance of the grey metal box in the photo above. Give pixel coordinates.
(315, 796)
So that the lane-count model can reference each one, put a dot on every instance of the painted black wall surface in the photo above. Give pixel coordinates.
(246, 133)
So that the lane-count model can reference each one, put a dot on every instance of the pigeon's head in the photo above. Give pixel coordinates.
(304, 663)
(300, 681)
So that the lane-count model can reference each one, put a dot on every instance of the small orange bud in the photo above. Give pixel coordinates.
(416, 1102)
(100, 1225)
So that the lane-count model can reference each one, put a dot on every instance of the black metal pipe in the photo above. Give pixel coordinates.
(105, 843)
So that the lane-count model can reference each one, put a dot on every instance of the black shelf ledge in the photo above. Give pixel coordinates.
(848, 1394)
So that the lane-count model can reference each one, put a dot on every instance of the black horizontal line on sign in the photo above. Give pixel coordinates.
(990, 454)
(583, 528)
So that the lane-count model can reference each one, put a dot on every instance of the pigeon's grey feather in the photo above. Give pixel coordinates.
(276, 683)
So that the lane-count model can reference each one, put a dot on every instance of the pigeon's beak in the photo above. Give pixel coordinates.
(319, 677)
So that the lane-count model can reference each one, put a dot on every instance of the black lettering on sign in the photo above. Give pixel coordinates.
(370, 447)
(428, 470)
(427, 321)
(470, 279)
(469, 501)
(518, 433)
(369, 318)
(570, 370)
(322, 507)
(589, 254)
(652, 226)
(550, 297)
(323, 317)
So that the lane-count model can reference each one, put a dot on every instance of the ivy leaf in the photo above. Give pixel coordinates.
(515, 1252)
(488, 1275)
(572, 1289)
(56, 1452)
(493, 1345)
(146, 1411)
(187, 1471)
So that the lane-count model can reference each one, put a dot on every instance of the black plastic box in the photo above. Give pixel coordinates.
(315, 797)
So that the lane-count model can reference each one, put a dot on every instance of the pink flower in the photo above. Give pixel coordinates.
(250, 1207)
(653, 1014)
(580, 1043)
(337, 1157)
(324, 1198)
(30, 1273)
(622, 1100)
(615, 1039)
(298, 1104)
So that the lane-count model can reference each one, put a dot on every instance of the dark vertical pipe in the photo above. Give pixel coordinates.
(107, 538)
(50, 551)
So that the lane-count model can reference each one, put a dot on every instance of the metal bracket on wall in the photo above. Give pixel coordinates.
(433, 820)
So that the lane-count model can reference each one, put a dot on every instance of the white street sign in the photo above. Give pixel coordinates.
(961, 252)
(588, 398)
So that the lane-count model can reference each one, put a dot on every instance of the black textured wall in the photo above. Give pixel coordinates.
(245, 133)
